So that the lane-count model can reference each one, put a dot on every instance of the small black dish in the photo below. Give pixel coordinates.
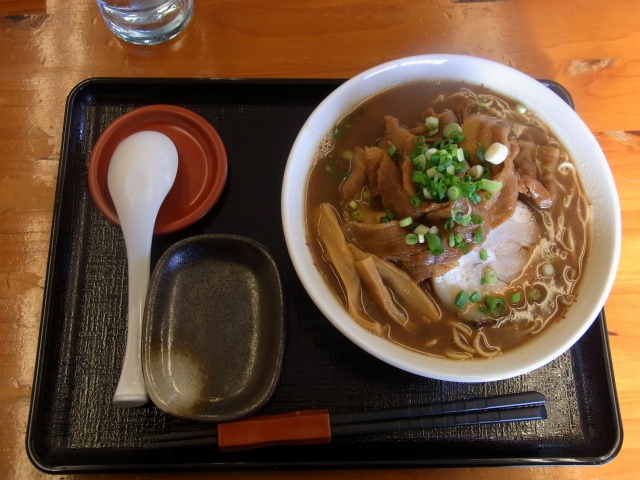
(213, 328)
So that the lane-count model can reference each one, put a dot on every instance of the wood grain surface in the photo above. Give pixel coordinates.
(47, 47)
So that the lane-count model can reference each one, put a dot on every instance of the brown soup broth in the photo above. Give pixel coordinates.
(564, 226)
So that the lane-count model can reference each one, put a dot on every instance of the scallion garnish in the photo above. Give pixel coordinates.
(478, 236)
(461, 299)
(411, 239)
(421, 229)
(449, 224)
(483, 255)
(415, 201)
(475, 218)
(450, 129)
(489, 278)
(434, 243)
(405, 222)
(391, 150)
(475, 297)
(489, 185)
(495, 305)
(432, 124)
(453, 193)
(514, 299)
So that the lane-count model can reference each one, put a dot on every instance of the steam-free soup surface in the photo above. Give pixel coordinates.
(466, 272)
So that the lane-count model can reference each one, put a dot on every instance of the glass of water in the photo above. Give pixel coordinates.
(146, 22)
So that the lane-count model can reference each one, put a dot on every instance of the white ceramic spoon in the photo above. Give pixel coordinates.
(141, 173)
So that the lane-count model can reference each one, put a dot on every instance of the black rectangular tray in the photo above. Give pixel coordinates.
(74, 427)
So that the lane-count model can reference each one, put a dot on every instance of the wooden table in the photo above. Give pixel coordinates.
(46, 47)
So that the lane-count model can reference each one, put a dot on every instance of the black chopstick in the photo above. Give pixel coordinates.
(475, 411)
(474, 404)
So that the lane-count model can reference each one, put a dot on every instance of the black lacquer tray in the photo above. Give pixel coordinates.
(74, 427)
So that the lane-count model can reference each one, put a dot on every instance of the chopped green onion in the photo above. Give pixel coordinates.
(521, 108)
(489, 196)
(421, 230)
(458, 238)
(483, 255)
(435, 245)
(344, 176)
(391, 215)
(457, 137)
(461, 299)
(419, 140)
(514, 299)
(476, 171)
(347, 154)
(431, 133)
(456, 213)
(338, 133)
(358, 215)
(453, 193)
(405, 222)
(391, 150)
(411, 238)
(415, 201)
(452, 240)
(420, 162)
(450, 128)
(489, 278)
(432, 124)
(496, 305)
(478, 236)
(496, 153)
(353, 205)
(464, 221)
(475, 218)
(449, 224)
(489, 185)
(384, 220)
(429, 153)
(475, 297)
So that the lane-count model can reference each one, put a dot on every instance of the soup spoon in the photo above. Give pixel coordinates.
(141, 173)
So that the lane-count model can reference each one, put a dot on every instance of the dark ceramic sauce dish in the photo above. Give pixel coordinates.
(213, 328)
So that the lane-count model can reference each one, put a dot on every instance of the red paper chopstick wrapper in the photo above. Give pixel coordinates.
(298, 428)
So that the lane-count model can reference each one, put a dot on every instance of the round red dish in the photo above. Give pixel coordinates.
(202, 163)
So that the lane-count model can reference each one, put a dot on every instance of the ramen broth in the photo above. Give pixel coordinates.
(530, 302)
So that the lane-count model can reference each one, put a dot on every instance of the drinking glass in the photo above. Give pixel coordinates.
(146, 22)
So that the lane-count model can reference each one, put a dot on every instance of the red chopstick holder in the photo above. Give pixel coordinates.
(298, 428)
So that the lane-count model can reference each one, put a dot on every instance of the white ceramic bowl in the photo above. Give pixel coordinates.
(597, 277)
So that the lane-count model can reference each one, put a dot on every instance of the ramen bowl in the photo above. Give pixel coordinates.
(599, 267)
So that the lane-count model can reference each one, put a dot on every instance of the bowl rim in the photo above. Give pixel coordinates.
(557, 114)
